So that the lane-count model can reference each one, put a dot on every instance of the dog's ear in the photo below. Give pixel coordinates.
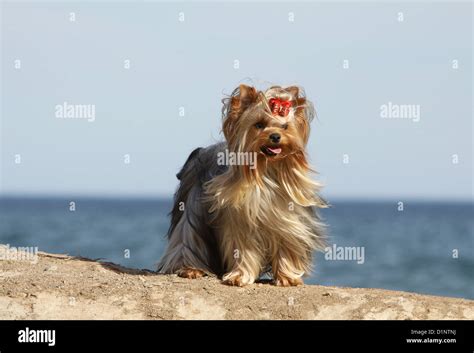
(242, 97)
(247, 95)
(302, 105)
(293, 91)
(304, 110)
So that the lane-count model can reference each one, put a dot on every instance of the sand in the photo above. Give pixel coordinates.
(64, 287)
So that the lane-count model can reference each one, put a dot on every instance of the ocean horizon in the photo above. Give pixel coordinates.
(419, 246)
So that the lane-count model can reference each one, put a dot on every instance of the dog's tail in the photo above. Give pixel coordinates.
(191, 238)
(186, 176)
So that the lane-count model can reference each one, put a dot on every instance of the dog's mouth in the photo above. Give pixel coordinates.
(271, 151)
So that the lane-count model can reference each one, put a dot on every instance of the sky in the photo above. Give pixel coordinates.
(155, 74)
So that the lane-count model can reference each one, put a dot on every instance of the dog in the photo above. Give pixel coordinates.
(239, 221)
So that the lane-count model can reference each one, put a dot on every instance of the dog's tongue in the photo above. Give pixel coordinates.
(275, 150)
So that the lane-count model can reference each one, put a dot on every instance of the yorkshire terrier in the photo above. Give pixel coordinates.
(241, 220)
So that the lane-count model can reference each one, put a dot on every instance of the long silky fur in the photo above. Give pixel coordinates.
(238, 222)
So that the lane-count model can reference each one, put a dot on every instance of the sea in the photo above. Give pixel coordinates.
(422, 247)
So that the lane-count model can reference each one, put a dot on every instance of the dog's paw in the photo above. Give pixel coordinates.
(191, 273)
(283, 281)
(235, 278)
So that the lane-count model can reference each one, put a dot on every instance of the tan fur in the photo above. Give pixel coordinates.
(191, 273)
(261, 213)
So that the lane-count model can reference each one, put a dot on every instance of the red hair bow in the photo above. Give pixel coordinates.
(277, 106)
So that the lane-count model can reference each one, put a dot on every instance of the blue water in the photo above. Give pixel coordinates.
(411, 250)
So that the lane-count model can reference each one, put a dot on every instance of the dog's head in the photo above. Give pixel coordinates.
(273, 123)
(274, 126)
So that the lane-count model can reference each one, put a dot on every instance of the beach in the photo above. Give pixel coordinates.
(65, 288)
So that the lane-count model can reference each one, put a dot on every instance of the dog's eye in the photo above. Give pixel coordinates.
(284, 126)
(259, 125)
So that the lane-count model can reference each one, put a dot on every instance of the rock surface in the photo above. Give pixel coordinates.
(64, 287)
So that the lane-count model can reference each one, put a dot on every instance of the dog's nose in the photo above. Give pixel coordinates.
(275, 138)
